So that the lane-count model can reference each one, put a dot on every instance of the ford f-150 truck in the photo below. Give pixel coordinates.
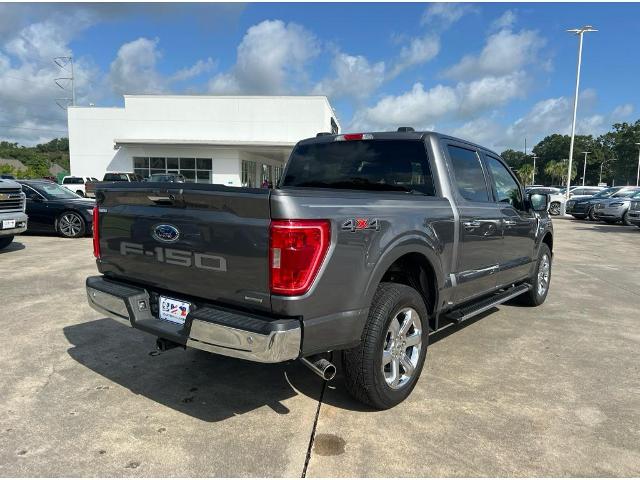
(13, 220)
(370, 242)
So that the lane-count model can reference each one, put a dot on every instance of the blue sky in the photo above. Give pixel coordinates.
(493, 73)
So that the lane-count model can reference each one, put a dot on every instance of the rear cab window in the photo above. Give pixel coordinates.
(382, 165)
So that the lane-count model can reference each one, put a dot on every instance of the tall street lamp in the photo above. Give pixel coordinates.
(580, 32)
(584, 169)
(638, 172)
(533, 180)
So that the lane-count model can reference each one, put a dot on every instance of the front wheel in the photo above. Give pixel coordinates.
(540, 281)
(5, 241)
(71, 225)
(592, 215)
(383, 370)
(625, 219)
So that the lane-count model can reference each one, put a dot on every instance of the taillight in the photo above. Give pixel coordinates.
(96, 232)
(296, 251)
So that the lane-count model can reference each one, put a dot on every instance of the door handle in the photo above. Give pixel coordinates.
(510, 222)
(471, 225)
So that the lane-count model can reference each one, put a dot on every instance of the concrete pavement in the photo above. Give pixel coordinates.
(551, 391)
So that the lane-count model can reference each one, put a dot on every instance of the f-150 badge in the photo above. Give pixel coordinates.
(355, 224)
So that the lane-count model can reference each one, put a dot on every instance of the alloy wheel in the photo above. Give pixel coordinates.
(544, 272)
(70, 225)
(401, 349)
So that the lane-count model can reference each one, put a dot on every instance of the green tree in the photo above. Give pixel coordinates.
(525, 173)
(514, 158)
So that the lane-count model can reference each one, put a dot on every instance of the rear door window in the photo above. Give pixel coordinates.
(384, 165)
(469, 174)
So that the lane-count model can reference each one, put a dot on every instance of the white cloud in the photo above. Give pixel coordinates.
(506, 20)
(443, 15)
(420, 107)
(504, 52)
(622, 112)
(271, 59)
(134, 68)
(197, 69)
(352, 76)
(419, 50)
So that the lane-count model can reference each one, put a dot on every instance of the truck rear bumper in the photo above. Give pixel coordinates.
(226, 332)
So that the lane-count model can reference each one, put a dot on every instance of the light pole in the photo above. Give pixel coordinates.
(584, 169)
(638, 172)
(580, 33)
(533, 180)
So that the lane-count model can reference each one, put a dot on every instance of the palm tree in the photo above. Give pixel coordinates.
(525, 172)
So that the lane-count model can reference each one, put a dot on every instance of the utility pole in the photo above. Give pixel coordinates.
(62, 63)
(584, 169)
(533, 180)
(580, 32)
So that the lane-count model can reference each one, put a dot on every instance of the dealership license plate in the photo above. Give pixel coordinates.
(173, 310)
(8, 224)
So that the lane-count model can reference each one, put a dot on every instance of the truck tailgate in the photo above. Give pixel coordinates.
(203, 241)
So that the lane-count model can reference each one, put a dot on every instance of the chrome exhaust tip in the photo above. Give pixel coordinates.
(320, 366)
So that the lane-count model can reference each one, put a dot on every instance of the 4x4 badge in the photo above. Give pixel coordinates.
(354, 224)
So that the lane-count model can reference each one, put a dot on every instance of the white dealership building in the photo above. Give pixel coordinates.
(229, 140)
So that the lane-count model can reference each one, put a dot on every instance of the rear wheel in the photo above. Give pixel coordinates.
(5, 241)
(554, 208)
(383, 370)
(625, 219)
(592, 215)
(540, 281)
(71, 225)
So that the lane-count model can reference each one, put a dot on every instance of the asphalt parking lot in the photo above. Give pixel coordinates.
(552, 391)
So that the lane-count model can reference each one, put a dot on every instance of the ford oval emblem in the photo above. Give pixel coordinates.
(166, 233)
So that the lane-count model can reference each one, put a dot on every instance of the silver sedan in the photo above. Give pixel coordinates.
(613, 210)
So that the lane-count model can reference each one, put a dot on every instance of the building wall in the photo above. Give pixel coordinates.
(198, 119)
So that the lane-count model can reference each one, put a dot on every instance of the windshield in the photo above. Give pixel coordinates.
(607, 192)
(54, 192)
(390, 165)
(625, 194)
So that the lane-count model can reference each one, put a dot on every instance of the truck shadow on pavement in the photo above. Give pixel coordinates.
(209, 387)
(205, 386)
(611, 228)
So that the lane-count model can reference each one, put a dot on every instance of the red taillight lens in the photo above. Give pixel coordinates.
(96, 232)
(296, 251)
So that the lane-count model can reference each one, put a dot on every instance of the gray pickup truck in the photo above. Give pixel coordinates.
(13, 220)
(369, 243)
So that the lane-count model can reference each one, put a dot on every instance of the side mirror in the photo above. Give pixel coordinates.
(539, 202)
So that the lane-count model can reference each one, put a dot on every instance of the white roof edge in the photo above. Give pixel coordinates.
(186, 142)
(173, 95)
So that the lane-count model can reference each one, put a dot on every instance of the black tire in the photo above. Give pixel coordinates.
(365, 374)
(554, 209)
(592, 215)
(579, 217)
(75, 230)
(5, 241)
(536, 296)
(625, 219)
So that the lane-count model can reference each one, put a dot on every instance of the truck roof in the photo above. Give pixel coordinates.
(395, 135)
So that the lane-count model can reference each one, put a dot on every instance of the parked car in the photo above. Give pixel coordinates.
(77, 184)
(582, 192)
(13, 220)
(616, 208)
(369, 242)
(556, 199)
(7, 176)
(53, 208)
(582, 208)
(167, 178)
(634, 212)
(112, 177)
